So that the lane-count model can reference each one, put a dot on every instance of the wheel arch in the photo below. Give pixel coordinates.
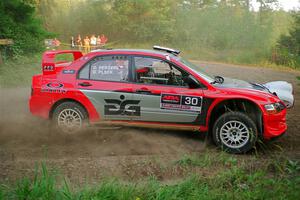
(247, 106)
(57, 103)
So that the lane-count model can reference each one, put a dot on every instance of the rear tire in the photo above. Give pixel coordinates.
(70, 117)
(235, 132)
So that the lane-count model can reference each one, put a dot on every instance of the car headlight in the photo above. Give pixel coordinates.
(274, 107)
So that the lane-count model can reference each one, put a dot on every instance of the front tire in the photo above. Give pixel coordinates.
(235, 132)
(69, 117)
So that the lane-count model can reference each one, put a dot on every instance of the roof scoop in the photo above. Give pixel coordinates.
(166, 49)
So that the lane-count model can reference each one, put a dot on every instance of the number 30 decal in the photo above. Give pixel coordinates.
(191, 101)
(178, 102)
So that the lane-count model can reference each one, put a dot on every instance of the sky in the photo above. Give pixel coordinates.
(285, 4)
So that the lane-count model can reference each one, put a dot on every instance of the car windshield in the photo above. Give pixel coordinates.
(197, 70)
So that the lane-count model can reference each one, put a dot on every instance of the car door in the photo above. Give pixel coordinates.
(104, 80)
(163, 94)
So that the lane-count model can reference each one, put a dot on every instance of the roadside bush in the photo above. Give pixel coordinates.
(18, 22)
(287, 51)
(209, 30)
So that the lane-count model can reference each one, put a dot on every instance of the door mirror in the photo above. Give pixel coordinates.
(192, 82)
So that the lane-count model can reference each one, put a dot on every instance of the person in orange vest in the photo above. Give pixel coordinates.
(86, 42)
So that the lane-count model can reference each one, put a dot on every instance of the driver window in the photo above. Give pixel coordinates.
(155, 71)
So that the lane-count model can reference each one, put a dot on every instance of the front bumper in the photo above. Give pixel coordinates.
(274, 125)
(277, 137)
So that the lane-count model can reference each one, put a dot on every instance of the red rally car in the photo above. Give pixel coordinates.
(157, 88)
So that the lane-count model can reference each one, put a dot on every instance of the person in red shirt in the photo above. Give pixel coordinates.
(55, 43)
(103, 39)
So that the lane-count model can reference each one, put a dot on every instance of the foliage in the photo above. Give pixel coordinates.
(231, 183)
(224, 29)
(18, 22)
(207, 29)
(18, 72)
(288, 48)
(216, 30)
(143, 20)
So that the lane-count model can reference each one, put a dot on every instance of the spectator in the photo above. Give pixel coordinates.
(72, 42)
(103, 39)
(79, 42)
(93, 42)
(87, 47)
(98, 41)
(55, 43)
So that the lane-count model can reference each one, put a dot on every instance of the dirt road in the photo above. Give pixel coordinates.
(126, 152)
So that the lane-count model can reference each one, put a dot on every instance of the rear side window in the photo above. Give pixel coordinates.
(106, 68)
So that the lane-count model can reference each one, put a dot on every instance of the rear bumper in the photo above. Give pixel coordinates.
(274, 125)
(40, 106)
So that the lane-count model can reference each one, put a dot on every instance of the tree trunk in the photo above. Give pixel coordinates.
(248, 4)
(1, 61)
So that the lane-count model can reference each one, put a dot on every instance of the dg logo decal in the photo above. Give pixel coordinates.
(122, 107)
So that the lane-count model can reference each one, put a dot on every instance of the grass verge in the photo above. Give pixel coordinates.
(232, 182)
(18, 73)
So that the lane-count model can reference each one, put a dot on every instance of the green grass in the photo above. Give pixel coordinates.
(208, 159)
(234, 179)
(18, 72)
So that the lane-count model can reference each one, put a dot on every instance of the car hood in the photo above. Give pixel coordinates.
(282, 89)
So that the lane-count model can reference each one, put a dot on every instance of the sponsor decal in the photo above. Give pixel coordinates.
(181, 102)
(68, 71)
(174, 99)
(107, 69)
(54, 87)
(122, 107)
(48, 68)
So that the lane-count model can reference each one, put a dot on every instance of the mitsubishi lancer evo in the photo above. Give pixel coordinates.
(157, 88)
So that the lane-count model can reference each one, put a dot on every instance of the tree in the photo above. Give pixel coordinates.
(17, 22)
(289, 45)
(143, 20)
(267, 4)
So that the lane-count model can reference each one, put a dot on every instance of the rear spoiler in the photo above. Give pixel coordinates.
(50, 66)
